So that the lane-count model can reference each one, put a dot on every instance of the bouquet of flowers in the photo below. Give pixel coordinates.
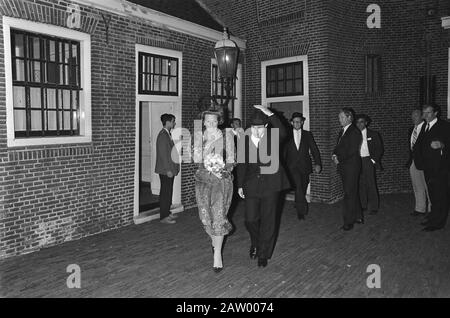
(214, 164)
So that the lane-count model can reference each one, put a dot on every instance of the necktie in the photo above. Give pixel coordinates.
(428, 127)
(341, 133)
(414, 137)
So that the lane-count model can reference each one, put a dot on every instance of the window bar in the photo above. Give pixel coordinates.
(27, 88)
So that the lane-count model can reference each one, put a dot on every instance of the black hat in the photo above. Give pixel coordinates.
(259, 118)
(298, 115)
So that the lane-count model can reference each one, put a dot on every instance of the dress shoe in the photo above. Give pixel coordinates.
(173, 216)
(424, 223)
(431, 228)
(360, 221)
(168, 220)
(415, 213)
(347, 227)
(301, 216)
(262, 262)
(217, 269)
(253, 252)
(373, 212)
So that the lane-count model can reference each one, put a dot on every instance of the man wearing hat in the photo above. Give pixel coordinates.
(260, 179)
(298, 161)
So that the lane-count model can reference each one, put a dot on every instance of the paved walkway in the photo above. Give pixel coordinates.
(311, 259)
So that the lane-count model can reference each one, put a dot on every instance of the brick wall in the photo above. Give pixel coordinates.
(53, 194)
(337, 40)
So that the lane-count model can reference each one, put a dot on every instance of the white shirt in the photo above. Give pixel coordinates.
(238, 132)
(297, 137)
(345, 129)
(364, 146)
(434, 121)
(255, 140)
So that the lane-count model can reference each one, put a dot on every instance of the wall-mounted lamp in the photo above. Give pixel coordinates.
(227, 54)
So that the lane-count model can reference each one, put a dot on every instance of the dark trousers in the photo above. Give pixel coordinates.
(351, 209)
(260, 219)
(165, 196)
(368, 191)
(437, 184)
(301, 182)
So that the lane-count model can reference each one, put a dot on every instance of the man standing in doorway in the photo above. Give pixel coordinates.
(167, 166)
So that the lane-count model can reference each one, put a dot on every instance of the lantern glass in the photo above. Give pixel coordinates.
(226, 58)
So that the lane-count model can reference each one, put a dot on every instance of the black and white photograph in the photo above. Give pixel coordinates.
(224, 155)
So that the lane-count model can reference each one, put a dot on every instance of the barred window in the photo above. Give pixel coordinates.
(158, 75)
(284, 80)
(46, 85)
(373, 74)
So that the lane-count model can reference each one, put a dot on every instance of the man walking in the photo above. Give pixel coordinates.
(371, 152)
(433, 158)
(261, 178)
(297, 156)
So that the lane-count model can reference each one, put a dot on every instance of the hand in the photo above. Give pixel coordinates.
(317, 168)
(264, 109)
(437, 145)
(335, 159)
(241, 193)
(170, 174)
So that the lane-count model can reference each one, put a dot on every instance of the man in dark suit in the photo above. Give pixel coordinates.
(297, 157)
(347, 157)
(433, 158)
(167, 166)
(417, 176)
(261, 178)
(371, 152)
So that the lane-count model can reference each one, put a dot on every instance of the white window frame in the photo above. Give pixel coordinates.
(85, 94)
(238, 101)
(448, 83)
(304, 98)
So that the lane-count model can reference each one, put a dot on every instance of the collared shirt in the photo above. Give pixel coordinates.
(238, 132)
(255, 140)
(431, 124)
(417, 128)
(168, 132)
(364, 146)
(297, 137)
(345, 129)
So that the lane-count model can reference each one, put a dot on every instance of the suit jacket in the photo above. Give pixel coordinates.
(431, 160)
(348, 147)
(300, 159)
(412, 153)
(376, 148)
(249, 176)
(164, 148)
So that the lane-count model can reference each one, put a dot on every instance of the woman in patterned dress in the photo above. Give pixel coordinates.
(214, 191)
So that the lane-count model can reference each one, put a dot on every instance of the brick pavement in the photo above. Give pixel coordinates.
(311, 259)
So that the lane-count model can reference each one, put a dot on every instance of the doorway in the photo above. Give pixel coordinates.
(150, 126)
